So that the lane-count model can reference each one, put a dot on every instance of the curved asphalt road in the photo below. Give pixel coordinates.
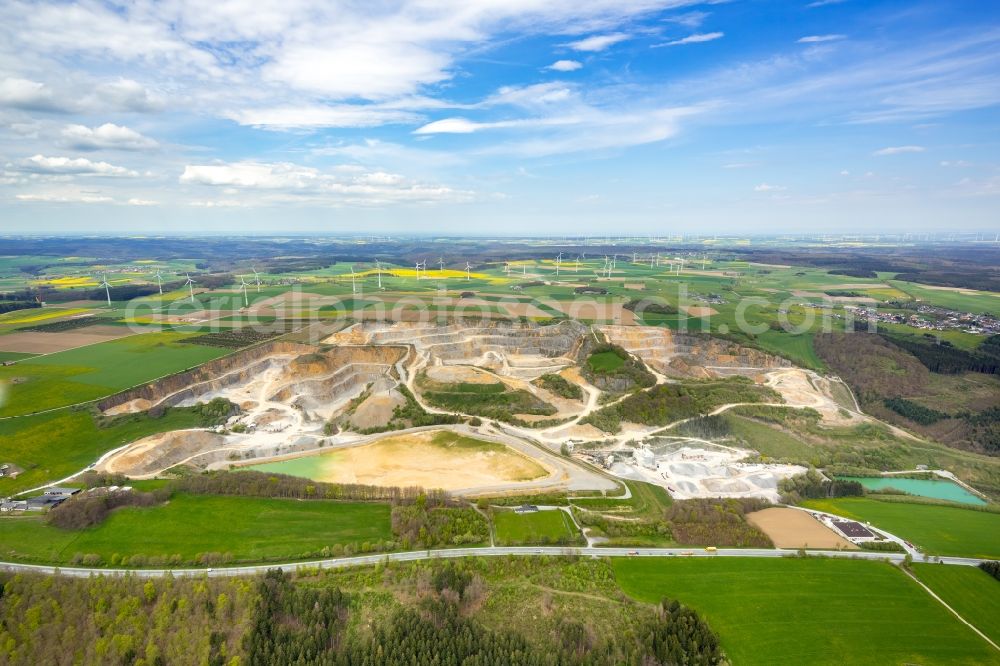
(411, 556)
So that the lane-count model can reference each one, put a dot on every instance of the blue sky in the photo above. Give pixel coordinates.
(499, 116)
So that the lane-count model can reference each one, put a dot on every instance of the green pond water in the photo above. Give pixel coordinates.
(309, 467)
(934, 488)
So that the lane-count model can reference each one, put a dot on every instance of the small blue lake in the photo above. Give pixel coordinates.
(934, 488)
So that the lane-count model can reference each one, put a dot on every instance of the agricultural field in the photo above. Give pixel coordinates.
(87, 373)
(540, 527)
(935, 529)
(972, 592)
(815, 611)
(56, 444)
(249, 529)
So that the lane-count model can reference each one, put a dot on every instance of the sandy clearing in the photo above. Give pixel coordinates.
(700, 310)
(377, 409)
(959, 290)
(634, 285)
(525, 310)
(417, 460)
(448, 374)
(791, 528)
(151, 454)
(33, 342)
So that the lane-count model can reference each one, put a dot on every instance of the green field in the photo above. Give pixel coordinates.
(542, 527)
(54, 445)
(605, 362)
(966, 300)
(937, 530)
(249, 528)
(88, 373)
(809, 611)
(972, 592)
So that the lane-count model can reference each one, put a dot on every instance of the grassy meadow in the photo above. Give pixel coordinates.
(87, 373)
(809, 611)
(542, 527)
(250, 529)
(935, 529)
(972, 592)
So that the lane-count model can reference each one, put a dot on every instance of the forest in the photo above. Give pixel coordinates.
(430, 613)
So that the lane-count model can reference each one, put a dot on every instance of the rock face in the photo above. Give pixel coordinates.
(305, 375)
(688, 354)
(509, 348)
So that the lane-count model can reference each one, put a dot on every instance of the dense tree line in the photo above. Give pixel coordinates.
(424, 524)
(992, 567)
(706, 427)
(813, 485)
(694, 522)
(649, 306)
(306, 626)
(11, 306)
(715, 522)
(91, 508)
(56, 620)
(945, 359)
(260, 484)
(914, 411)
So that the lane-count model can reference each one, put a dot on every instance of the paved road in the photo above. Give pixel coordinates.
(491, 551)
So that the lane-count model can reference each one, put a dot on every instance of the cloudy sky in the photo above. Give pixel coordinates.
(499, 116)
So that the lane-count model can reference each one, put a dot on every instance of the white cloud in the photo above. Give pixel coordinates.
(107, 135)
(764, 187)
(26, 94)
(818, 39)
(285, 182)
(697, 38)
(898, 150)
(124, 95)
(61, 166)
(297, 117)
(845, 172)
(142, 202)
(598, 42)
(68, 197)
(344, 69)
(565, 65)
(956, 163)
(688, 19)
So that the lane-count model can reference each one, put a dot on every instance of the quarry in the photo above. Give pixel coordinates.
(348, 409)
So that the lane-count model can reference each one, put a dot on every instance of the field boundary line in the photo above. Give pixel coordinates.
(953, 611)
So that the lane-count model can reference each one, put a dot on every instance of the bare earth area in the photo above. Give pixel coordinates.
(424, 459)
(37, 342)
(791, 528)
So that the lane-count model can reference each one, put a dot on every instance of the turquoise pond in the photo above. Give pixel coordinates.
(934, 488)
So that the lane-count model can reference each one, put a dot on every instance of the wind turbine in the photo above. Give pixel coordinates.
(107, 288)
(159, 281)
(378, 269)
(244, 285)
(468, 273)
(190, 284)
(354, 284)
(576, 266)
(418, 270)
(256, 277)
(506, 268)
(441, 264)
(651, 258)
(558, 263)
